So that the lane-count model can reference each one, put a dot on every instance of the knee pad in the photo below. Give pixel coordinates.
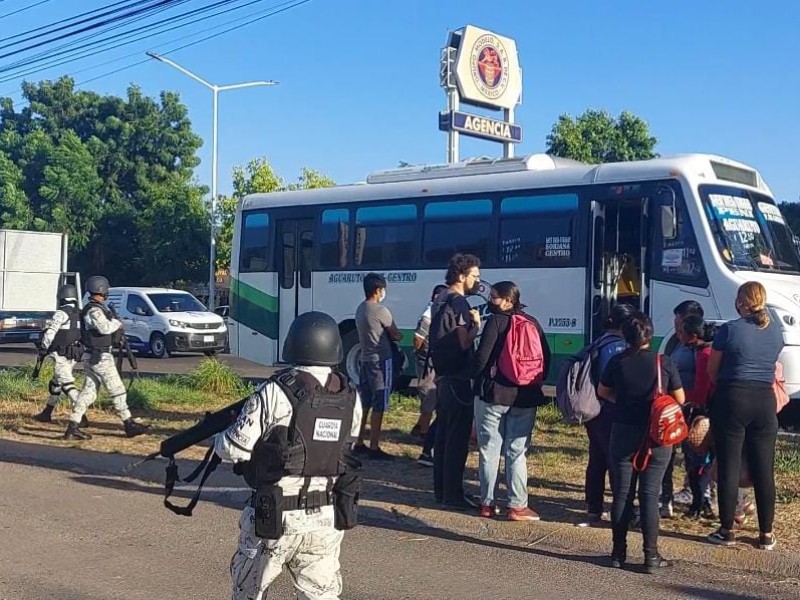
(53, 388)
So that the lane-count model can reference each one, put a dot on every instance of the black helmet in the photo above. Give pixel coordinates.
(313, 340)
(67, 293)
(97, 285)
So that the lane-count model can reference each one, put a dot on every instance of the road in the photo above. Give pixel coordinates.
(74, 536)
(12, 355)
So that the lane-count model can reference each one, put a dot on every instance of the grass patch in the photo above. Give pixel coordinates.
(149, 394)
(214, 377)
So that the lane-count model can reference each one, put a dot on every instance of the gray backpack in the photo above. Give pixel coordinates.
(576, 389)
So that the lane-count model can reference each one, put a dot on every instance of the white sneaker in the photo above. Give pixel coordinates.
(683, 497)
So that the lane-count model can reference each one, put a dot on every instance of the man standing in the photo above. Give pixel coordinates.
(291, 442)
(61, 340)
(454, 326)
(100, 332)
(376, 332)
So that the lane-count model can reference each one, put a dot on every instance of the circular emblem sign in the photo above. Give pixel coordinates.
(489, 66)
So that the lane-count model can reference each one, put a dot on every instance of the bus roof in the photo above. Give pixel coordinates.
(526, 172)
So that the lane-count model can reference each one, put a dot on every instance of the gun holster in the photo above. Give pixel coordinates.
(346, 493)
(268, 504)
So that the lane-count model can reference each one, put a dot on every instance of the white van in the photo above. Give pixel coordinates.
(160, 321)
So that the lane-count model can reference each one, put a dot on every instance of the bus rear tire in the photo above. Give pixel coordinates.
(352, 356)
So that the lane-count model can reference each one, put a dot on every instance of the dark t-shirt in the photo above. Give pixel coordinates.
(633, 378)
(748, 353)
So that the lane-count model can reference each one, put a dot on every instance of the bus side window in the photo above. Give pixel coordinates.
(538, 231)
(455, 226)
(677, 259)
(334, 238)
(254, 248)
(385, 236)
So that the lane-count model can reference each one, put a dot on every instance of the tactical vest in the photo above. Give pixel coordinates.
(69, 334)
(91, 338)
(313, 444)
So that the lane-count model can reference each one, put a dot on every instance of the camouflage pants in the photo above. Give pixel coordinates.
(105, 373)
(312, 558)
(63, 381)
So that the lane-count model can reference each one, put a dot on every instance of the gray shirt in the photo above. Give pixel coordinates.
(372, 319)
(748, 353)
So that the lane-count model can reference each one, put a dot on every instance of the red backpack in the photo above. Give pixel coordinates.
(667, 426)
(521, 360)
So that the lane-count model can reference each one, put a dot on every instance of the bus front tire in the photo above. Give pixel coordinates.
(352, 354)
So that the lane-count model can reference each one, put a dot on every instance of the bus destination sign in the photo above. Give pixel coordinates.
(480, 127)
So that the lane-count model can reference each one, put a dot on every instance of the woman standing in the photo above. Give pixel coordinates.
(504, 413)
(697, 335)
(630, 382)
(598, 429)
(742, 364)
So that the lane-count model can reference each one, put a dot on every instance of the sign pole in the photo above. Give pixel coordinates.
(452, 134)
(508, 147)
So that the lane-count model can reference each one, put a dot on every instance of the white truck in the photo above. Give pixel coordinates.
(33, 264)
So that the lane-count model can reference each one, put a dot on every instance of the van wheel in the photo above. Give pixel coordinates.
(352, 356)
(158, 345)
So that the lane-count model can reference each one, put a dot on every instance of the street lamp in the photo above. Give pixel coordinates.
(212, 279)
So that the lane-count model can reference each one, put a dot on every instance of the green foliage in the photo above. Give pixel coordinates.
(215, 377)
(598, 137)
(113, 173)
(16, 383)
(791, 212)
(257, 177)
(151, 393)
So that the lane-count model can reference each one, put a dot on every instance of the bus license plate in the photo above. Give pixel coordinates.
(208, 339)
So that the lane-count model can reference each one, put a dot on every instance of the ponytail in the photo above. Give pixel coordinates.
(637, 331)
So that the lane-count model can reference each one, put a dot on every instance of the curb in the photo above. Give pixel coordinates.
(562, 536)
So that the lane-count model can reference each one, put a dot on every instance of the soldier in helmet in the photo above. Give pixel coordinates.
(292, 443)
(100, 333)
(62, 341)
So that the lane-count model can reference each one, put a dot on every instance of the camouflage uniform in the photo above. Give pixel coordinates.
(63, 381)
(103, 372)
(310, 544)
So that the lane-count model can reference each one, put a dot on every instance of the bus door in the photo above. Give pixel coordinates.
(620, 252)
(294, 242)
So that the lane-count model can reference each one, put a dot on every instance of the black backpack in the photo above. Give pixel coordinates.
(445, 351)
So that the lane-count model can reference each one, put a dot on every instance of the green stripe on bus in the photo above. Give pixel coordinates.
(254, 309)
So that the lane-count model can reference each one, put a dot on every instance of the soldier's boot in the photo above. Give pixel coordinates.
(46, 416)
(74, 432)
(134, 428)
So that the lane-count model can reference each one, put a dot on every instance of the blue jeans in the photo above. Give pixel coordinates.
(505, 429)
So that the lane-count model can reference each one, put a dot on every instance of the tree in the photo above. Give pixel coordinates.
(597, 137)
(114, 173)
(791, 212)
(257, 177)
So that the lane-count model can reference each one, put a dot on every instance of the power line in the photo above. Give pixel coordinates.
(23, 9)
(118, 59)
(72, 46)
(67, 20)
(200, 41)
(133, 13)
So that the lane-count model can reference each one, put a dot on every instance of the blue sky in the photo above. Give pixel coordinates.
(359, 78)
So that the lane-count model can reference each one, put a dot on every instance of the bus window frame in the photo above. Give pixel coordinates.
(270, 262)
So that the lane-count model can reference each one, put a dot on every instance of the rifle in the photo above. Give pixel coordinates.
(210, 425)
(124, 347)
(38, 367)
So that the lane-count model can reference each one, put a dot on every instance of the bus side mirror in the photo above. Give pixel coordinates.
(669, 225)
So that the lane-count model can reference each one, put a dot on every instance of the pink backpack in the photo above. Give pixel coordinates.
(521, 360)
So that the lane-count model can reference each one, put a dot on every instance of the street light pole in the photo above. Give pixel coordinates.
(215, 89)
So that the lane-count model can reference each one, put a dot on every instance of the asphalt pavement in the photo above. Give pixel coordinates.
(12, 355)
(71, 532)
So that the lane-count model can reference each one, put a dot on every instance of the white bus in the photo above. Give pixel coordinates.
(574, 237)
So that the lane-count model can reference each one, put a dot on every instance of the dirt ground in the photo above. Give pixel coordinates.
(556, 462)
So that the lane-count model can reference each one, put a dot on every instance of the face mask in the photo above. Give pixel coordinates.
(495, 308)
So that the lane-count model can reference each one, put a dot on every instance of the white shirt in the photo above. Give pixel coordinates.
(267, 408)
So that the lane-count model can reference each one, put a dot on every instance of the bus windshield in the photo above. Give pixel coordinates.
(749, 230)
